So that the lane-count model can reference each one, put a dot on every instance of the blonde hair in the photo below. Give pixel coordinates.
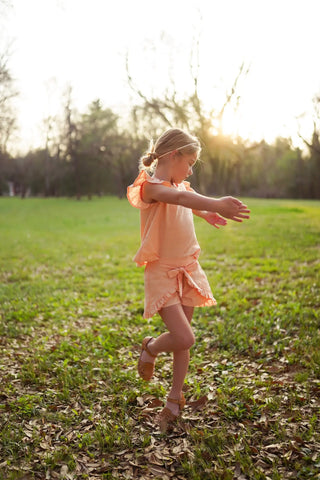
(170, 141)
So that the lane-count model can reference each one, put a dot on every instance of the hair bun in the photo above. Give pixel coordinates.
(149, 158)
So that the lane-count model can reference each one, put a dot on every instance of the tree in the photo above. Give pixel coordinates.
(7, 115)
(68, 147)
(314, 151)
(98, 133)
(153, 114)
(7, 94)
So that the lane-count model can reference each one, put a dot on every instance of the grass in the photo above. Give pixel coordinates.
(71, 304)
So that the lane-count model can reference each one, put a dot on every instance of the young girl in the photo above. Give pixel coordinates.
(174, 281)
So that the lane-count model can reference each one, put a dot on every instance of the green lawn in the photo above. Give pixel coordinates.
(71, 304)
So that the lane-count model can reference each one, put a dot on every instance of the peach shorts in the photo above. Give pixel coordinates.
(173, 281)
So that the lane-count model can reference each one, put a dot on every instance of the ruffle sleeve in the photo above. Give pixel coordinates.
(134, 191)
(188, 187)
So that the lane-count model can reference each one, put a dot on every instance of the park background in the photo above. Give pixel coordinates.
(83, 87)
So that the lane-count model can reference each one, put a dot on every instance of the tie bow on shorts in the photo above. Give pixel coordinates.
(173, 281)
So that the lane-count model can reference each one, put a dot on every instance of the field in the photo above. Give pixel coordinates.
(71, 303)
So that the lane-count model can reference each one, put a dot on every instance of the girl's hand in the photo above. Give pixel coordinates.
(215, 219)
(230, 207)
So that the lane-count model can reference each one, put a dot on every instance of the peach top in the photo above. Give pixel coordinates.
(167, 231)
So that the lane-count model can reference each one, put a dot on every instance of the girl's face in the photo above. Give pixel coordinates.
(182, 167)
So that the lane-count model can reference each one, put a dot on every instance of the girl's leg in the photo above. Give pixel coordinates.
(180, 335)
(188, 311)
(178, 340)
(180, 368)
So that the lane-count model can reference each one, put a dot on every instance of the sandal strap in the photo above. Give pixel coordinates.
(181, 402)
(146, 348)
(173, 400)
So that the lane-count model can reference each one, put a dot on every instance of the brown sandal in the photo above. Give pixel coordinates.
(166, 418)
(146, 369)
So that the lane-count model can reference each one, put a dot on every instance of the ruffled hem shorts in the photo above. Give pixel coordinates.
(171, 281)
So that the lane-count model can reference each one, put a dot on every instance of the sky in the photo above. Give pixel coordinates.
(54, 44)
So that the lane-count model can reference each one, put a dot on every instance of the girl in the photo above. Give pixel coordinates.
(174, 281)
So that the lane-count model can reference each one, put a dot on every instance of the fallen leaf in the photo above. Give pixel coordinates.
(63, 471)
(198, 404)
(161, 472)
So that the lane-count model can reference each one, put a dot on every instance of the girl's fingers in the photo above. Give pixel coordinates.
(239, 217)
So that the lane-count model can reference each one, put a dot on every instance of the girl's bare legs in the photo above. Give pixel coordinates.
(180, 367)
(178, 340)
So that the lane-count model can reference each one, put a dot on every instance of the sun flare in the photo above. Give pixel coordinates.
(252, 123)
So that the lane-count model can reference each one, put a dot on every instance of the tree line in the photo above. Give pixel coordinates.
(97, 152)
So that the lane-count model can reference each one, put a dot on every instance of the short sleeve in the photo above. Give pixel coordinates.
(188, 187)
(134, 191)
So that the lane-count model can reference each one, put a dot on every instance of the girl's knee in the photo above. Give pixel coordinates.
(186, 341)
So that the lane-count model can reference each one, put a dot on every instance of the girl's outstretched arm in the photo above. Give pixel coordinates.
(211, 217)
(228, 207)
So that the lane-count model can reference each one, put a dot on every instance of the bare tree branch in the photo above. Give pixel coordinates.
(7, 93)
(315, 145)
(153, 104)
(230, 95)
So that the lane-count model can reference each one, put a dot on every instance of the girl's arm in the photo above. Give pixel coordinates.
(228, 207)
(211, 217)
(200, 213)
